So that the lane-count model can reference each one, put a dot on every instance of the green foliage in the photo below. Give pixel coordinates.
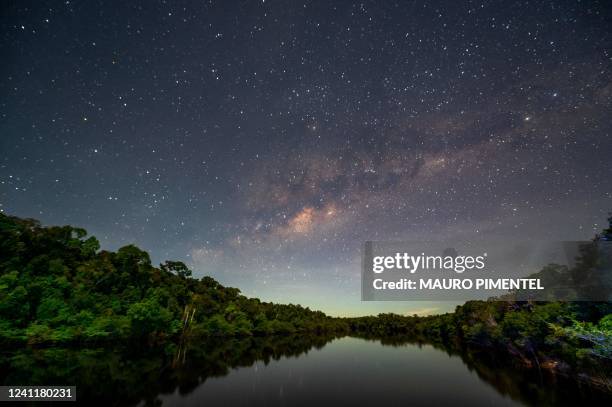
(598, 335)
(148, 317)
(577, 334)
(177, 267)
(57, 286)
(570, 334)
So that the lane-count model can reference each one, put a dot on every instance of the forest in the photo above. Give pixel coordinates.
(58, 287)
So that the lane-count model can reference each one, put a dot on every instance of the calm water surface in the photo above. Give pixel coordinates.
(350, 371)
(291, 371)
(353, 371)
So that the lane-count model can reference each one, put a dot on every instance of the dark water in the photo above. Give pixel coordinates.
(290, 371)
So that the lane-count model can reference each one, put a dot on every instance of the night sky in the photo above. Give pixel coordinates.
(263, 142)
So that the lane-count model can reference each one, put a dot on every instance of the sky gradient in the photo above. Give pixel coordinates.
(264, 142)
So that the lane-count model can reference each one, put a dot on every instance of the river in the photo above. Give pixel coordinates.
(292, 371)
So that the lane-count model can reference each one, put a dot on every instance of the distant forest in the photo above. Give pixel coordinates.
(58, 287)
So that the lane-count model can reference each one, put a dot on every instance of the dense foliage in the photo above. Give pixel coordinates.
(555, 335)
(57, 286)
(567, 337)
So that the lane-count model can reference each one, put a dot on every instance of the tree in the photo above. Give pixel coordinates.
(177, 267)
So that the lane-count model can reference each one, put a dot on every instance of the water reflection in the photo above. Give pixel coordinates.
(292, 370)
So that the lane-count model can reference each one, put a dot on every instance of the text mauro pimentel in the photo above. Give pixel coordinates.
(405, 262)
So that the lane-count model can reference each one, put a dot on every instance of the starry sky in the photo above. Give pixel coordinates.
(262, 142)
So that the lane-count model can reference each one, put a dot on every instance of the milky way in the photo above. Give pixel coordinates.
(264, 142)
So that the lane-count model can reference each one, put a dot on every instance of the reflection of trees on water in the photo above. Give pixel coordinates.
(529, 386)
(105, 375)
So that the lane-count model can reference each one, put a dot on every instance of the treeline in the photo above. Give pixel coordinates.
(555, 335)
(566, 337)
(57, 286)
